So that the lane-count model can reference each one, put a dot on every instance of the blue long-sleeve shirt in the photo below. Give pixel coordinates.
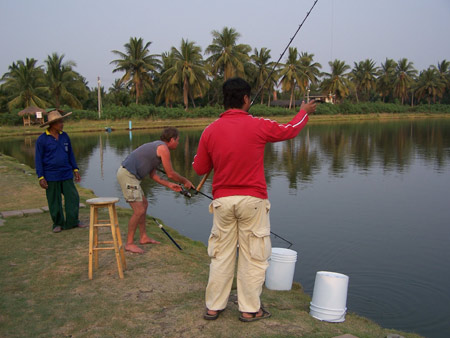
(54, 157)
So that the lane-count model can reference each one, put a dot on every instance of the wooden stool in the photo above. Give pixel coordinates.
(113, 223)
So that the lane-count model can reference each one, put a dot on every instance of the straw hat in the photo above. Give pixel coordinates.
(53, 116)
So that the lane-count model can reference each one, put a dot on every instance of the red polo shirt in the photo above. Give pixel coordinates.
(234, 146)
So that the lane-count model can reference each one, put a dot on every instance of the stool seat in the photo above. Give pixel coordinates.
(102, 200)
(113, 223)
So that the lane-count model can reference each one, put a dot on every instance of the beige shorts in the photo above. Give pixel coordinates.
(131, 186)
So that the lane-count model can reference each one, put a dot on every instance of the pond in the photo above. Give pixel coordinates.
(367, 199)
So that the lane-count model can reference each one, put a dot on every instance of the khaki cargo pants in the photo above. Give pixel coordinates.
(243, 220)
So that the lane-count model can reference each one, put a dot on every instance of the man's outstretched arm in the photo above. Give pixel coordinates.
(164, 153)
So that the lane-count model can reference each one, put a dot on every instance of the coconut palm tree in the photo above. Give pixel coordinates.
(386, 78)
(138, 65)
(227, 57)
(337, 81)
(167, 90)
(404, 78)
(310, 71)
(290, 74)
(430, 85)
(261, 60)
(118, 93)
(188, 71)
(24, 85)
(65, 84)
(364, 75)
(443, 69)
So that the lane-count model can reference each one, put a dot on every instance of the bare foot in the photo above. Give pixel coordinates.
(133, 248)
(148, 240)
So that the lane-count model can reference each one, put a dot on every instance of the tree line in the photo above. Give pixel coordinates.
(188, 76)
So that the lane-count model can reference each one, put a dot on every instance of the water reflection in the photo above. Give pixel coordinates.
(393, 145)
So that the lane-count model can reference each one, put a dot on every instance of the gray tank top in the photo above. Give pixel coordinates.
(143, 160)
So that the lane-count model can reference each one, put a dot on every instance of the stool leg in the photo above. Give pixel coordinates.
(119, 238)
(96, 238)
(91, 239)
(112, 219)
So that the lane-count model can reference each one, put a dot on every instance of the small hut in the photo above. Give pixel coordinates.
(38, 113)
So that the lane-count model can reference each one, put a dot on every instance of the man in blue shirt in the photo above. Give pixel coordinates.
(56, 168)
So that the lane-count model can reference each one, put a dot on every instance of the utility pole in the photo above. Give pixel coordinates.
(99, 98)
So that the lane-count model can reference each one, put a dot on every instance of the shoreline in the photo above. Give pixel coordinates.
(150, 293)
(90, 126)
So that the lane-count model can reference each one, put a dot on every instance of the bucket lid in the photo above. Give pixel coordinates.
(284, 252)
(332, 274)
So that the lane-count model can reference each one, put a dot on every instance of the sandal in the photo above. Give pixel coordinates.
(207, 316)
(265, 314)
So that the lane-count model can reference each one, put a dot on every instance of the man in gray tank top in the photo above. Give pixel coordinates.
(141, 162)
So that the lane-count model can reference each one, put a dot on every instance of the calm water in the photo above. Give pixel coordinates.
(370, 200)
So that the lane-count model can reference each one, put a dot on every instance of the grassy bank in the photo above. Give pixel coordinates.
(46, 291)
(73, 126)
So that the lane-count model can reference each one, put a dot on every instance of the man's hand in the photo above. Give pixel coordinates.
(188, 184)
(43, 183)
(77, 176)
(309, 107)
(174, 187)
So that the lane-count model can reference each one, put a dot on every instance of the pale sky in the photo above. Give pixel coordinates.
(350, 30)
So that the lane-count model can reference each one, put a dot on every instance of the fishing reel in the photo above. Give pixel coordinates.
(185, 192)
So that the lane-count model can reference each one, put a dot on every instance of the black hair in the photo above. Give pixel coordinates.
(234, 91)
(168, 134)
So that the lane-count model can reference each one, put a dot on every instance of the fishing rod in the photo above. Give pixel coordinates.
(168, 235)
(187, 194)
(282, 54)
(284, 239)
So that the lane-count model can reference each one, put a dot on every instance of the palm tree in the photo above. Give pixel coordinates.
(118, 93)
(337, 81)
(289, 74)
(227, 57)
(64, 83)
(167, 90)
(404, 73)
(261, 60)
(386, 78)
(310, 71)
(430, 85)
(24, 84)
(188, 70)
(364, 76)
(443, 69)
(138, 65)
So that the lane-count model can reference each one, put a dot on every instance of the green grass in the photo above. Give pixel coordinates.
(45, 290)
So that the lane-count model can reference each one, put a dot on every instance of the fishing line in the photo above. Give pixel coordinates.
(282, 54)
(188, 195)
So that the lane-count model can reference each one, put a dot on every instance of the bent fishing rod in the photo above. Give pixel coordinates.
(187, 194)
(282, 54)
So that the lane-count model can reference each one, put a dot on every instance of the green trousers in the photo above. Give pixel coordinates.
(71, 202)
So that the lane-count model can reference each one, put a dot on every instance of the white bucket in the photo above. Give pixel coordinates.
(280, 273)
(329, 299)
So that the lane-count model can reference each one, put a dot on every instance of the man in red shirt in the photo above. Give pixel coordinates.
(233, 146)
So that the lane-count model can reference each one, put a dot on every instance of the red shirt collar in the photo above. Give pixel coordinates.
(233, 111)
